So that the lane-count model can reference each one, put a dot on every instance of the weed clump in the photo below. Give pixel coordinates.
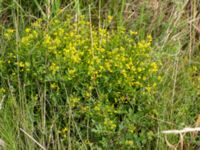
(99, 84)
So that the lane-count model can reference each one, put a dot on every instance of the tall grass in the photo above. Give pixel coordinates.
(175, 28)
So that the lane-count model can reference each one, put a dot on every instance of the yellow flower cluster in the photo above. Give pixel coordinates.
(23, 66)
(29, 37)
(109, 124)
(54, 68)
(111, 59)
(8, 33)
(73, 101)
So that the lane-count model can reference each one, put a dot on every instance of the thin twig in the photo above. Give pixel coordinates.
(42, 147)
(185, 130)
(181, 138)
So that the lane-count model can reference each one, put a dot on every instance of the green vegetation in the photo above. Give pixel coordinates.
(98, 74)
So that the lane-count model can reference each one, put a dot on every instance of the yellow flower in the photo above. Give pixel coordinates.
(124, 73)
(24, 66)
(148, 88)
(37, 24)
(143, 44)
(65, 130)
(10, 30)
(9, 33)
(133, 32)
(57, 41)
(149, 38)
(144, 78)
(74, 101)
(27, 30)
(61, 31)
(139, 69)
(109, 18)
(47, 40)
(102, 31)
(97, 108)
(108, 66)
(75, 58)
(54, 86)
(129, 142)
(54, 68)
(71, 72)
(154, 67)
(109, 123)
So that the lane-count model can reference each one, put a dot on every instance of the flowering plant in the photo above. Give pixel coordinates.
(99, 84)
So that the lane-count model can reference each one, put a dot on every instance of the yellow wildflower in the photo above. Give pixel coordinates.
(54, 68)
(109, 18)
